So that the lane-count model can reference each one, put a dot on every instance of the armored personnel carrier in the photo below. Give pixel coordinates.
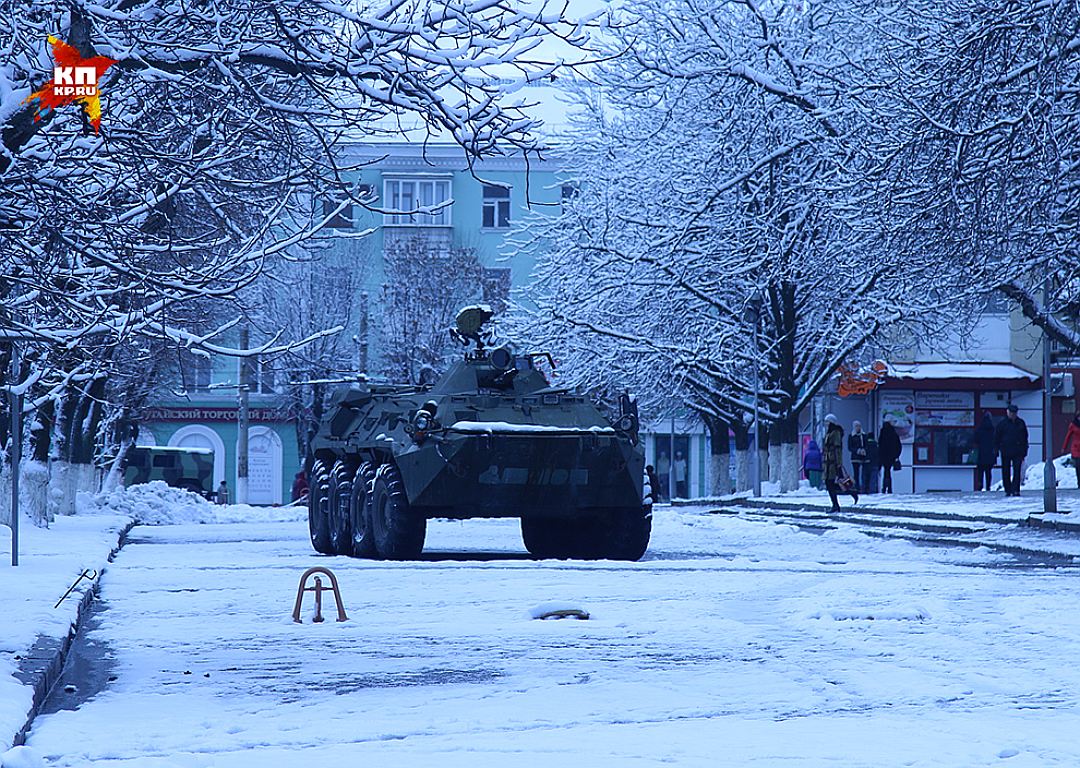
(492, 438)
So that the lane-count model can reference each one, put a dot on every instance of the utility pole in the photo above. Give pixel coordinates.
(1049, 473)
(242, 418)
(363, 361)
(753, 315)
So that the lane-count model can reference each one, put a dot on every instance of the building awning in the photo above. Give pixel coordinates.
(975, 376)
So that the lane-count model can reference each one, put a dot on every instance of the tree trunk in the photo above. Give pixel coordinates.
(41, 432)
(742, 456)
(786, 438)
(719, 456)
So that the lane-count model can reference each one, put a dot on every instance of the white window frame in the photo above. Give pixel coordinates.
(498, 203)
(406, 193)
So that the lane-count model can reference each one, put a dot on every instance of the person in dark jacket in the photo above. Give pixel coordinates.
(811, 464)
(860, 456)
(985, 453)
(888, 454)
(873, 463)
(654, 483)
(299, 486)
(1011, 440)
(833, 456)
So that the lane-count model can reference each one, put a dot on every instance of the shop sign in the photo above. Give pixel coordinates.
(925, 418)
(899, 408)
(945, 400)
(198, 415)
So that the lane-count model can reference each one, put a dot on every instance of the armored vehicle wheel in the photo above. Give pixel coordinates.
(363, 537)
(340, 522)
(399, 533)
(553, 538)
(628, 533)
(318, 512)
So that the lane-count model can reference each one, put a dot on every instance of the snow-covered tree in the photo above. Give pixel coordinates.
(424, 287)
(983, 105)
(722, 163)
(220, 122)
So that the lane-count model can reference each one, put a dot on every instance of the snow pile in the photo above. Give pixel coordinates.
(1033, 475)
(154, 503)
(21, 757)
(1064, 473)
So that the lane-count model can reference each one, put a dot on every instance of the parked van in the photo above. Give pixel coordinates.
(189, 468)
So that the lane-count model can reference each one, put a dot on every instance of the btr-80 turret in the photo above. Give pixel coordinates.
(491, 439)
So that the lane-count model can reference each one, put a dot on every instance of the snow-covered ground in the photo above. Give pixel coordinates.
(732, 643)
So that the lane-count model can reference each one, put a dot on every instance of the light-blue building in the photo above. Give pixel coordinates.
(462, 207)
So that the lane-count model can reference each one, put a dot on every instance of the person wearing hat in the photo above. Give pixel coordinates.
(1011, 441)
(833, 454)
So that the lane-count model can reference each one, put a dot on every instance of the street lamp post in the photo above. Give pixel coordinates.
(753, 315)
(1049, 473)
(16, 453)
(243, 428)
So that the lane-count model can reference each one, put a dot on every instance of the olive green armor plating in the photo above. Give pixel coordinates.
(490, 439)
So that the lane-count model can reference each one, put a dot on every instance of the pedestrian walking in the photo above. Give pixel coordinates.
(222, 496)
(811, 464)
(682, 489)
(837, 479)
(1072, 445)
(300, 486)
(860, 457)
(888, 454)
(985, 453)
(1011, 441)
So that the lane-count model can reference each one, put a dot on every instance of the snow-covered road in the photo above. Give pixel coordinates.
(734, 642)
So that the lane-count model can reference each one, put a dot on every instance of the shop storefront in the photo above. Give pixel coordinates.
(936, 408)
(272, 455)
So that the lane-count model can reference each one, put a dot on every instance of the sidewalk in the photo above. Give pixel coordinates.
(34, 635)
(990, 506)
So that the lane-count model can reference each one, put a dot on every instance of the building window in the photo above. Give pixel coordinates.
(195, 370)
(201, 367)
(263, 377)
(496, 207)
(343, 219)
(414, 194)
(944, 428)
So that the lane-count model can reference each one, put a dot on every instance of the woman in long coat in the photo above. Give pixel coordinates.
(833, 454)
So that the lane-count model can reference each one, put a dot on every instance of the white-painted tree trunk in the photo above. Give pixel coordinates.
(789, 467)
(720, 474)
(33, 494)
(774, 463)
(742, 471)
(68, 481)
(112, 479)
(5, 494)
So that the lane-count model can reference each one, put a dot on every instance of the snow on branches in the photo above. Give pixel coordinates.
(721, 163)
